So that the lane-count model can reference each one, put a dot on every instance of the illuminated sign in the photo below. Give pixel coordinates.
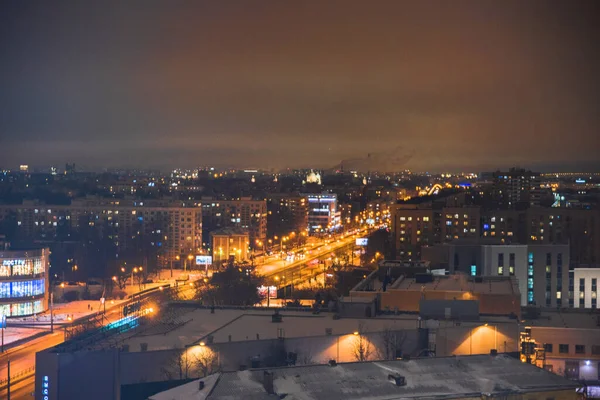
(45, 387)
(203, 260)
(362, 241)
(10, 263)
(272, 290)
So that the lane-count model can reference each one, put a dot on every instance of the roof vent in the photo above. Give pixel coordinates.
(268, 382)
(398, 380)
(332, 363)
(200, 385)
(493, 352)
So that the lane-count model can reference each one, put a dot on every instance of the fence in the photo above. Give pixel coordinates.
(18, 377)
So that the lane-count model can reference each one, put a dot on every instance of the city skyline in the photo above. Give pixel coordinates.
(433, 87)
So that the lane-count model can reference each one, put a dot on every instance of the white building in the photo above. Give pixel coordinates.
(323, 213)
(542, 270)
(586, 287)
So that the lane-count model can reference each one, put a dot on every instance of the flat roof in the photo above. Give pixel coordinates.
(441, 377)
(458, 283)
(565, 318)
(194, 325)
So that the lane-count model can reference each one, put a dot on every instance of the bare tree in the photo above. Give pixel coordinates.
(178, 366)
(305, 357)
(361, 346)
(205, 361)
(390, 342)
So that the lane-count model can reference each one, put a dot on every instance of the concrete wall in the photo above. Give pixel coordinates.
(474, 338)
(98, 375)
(82, 375)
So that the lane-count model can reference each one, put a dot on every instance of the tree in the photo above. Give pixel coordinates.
(389, 343)
(361, 346)
(233, 286)
(204, 360)
(178, 366)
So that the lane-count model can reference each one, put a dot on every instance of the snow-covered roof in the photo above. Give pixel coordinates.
(445, 377)
(189, 391)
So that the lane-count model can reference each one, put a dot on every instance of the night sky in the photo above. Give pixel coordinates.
(426, 85)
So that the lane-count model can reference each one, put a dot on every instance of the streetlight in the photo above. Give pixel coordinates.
(190, 257)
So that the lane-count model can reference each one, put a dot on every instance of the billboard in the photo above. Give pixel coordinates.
(203, 260)
(362, 241)
(262, 291)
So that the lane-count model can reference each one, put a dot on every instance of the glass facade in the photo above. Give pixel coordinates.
(23, 282)
(22, 288)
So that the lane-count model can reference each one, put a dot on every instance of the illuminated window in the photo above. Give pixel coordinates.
(425, 219)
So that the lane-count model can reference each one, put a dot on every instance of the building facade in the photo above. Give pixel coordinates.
(286, 213)
(23, 282)
(586, 287)
(244, 213)
(173, 226)
(229, 244)
(516, 186)
(323, 213)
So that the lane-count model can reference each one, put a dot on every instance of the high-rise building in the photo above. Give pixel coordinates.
(323, 213)
(515, 187)
(286, 213)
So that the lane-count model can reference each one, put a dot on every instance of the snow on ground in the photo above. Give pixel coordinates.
(12, 334)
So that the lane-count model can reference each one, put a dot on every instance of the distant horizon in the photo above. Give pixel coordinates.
(588, 167)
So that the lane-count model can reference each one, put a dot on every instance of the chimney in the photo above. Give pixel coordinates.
(493, 352)
(200, 385)
(268, 382)
(332, 363)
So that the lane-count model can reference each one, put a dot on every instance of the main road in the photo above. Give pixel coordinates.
(274, 268)
(22, 357)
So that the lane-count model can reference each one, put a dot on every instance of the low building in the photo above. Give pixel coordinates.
(24, 281)
(474, 377)
(492, 295)
(187, 341)
(229, 244)
(571, 339)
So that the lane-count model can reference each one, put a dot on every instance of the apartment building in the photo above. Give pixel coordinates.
(174, 225)
(244, 213)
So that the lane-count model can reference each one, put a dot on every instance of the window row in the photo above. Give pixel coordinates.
(564, 349)
(19, 309)
(27, 267)
(10, 290)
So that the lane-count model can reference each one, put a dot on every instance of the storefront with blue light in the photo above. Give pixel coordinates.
(23, 282)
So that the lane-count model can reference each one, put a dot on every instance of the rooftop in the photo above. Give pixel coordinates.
(194, 325)
(460, 283)
(443, 377)
(572, 318)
